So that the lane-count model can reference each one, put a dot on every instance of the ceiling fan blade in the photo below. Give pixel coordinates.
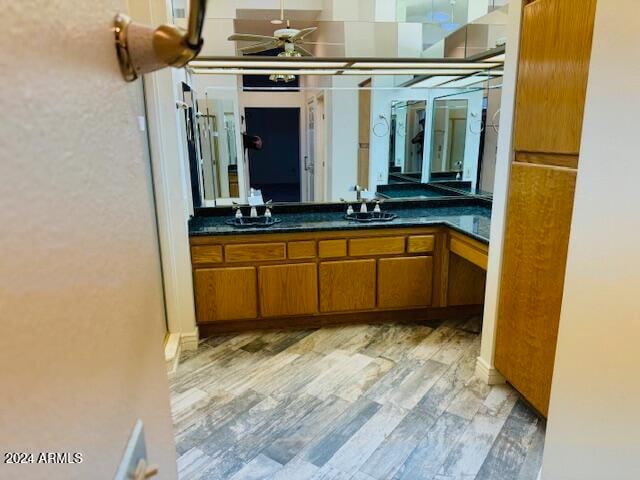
(248, 37)
(303, 51)
(260, 47)
(303, 33)
(320, 43)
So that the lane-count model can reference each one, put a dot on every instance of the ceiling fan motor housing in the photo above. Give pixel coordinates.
(285, 33)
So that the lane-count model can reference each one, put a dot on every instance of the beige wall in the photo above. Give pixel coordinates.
(594, 428)
(80, 291)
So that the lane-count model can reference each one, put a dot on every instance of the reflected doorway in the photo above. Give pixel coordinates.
(275, 169)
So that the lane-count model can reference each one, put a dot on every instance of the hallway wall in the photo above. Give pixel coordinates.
(80, 283)
(593, 417)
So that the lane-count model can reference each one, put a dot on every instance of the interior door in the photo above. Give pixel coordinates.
(318, 166)
(309, 159)
(275, 169)
(364, 132)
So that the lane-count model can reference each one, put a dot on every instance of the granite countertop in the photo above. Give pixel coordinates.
(471, 216)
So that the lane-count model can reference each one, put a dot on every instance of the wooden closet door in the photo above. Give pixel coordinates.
(540, 206)
(555, 50)
(552, 78)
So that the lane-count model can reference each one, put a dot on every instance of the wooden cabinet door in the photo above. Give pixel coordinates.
(288, 289)
(540, 206)
(225, 294)
(553, 68)
(405, 282)
(465, 282)
(347, 285)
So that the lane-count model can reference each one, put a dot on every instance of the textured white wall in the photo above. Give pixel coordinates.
(593, 431)
(80, 290)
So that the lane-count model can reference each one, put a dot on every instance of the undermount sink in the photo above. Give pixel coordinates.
(252, 222)
(370, 216)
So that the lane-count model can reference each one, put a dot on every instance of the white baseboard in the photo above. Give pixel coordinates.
(487, 373)
(189, 341)
(172, 348)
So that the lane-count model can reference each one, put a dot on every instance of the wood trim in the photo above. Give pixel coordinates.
(420, 316)
(441, 271)
(549, 159)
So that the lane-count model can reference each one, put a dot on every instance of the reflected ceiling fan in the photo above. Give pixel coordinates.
(289, 39)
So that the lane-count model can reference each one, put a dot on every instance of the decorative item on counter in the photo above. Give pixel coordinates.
(349, 207)
(238, 210)
(363, 206)
(376, 209)
(267, 210)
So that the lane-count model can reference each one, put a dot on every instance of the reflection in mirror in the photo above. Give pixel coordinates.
(315, 143)
(448, 139)
(408, 120)
(217, 132)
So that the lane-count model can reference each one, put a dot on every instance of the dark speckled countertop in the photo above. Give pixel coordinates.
(471, 216)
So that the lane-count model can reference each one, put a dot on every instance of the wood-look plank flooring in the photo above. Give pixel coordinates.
(367, 402)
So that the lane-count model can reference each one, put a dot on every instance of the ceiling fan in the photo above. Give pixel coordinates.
(289, 39)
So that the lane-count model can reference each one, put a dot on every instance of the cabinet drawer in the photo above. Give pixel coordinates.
(306, 249)
(332, 248)
(206, 254)
(405, 282)
(225, 294)
(376, 246)
(255, 252)
(288, 289)
(421, 243)
(347, 285)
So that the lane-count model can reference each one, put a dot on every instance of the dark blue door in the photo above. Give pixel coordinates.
(276, 168)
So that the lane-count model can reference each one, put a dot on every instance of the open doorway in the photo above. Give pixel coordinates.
(275, 169)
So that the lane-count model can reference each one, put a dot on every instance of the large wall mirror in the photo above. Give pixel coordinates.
(448, 138)
(318, 141)
(408, 120)
(219, 147)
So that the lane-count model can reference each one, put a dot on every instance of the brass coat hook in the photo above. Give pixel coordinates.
(143, 49)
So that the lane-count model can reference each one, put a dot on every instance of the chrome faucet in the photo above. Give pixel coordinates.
(358, 189)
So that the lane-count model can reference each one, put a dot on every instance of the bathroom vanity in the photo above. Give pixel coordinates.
(315, 268)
